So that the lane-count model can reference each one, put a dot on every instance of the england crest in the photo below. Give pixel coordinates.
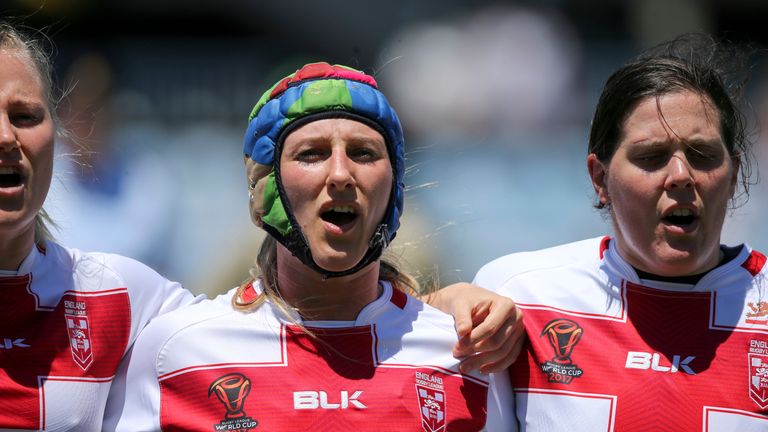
(80, 340)
(758, 379)
(432, 408)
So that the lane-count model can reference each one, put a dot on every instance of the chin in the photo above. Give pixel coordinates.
(676, 262)
(337, 260)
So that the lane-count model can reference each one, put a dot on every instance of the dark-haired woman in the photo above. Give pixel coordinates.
(658, 327)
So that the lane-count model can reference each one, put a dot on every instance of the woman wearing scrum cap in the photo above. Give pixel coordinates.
(71, 316)
(326, 337)
(659, 327)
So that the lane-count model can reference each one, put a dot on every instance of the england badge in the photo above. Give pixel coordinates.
(432, 408)
(758, 379)
(80, 340)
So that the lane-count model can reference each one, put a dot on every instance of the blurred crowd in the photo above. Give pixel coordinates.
(496, 100)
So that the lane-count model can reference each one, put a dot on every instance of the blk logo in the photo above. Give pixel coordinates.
(308, 400)
(652, 361)
(9, 343)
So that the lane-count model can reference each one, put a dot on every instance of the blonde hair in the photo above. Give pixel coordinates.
(13, 38)
(266, 272)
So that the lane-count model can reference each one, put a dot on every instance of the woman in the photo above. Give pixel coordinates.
(70, 317)
(326, 337)
(659, 327)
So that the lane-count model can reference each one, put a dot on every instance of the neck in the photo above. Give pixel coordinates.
(333, 299)
(14, 248)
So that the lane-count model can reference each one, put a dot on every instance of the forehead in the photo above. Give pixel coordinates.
(678, 116)
(327, 129)
(19, 75)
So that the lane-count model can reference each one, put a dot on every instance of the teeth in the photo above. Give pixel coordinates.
(343, 209)
(7, 170)
(682, 212)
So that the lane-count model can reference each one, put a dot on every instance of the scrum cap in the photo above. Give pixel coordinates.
(314, 92)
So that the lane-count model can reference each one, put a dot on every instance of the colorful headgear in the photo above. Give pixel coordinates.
(317, 91)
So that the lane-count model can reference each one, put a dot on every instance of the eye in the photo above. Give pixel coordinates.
(650, 159)
(310, 155)
(26, 118)
(704, 157)
(363, 154)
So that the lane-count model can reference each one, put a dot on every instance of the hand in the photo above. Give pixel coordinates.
(489, 326)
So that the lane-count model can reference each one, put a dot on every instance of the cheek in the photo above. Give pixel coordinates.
(380, 192)
(40, 153)
(633, 199)
(302, 187)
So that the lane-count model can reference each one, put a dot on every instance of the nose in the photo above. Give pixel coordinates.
(340, 176)
(7, 134)
(678, 173)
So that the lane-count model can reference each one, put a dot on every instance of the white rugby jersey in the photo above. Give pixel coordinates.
(211, 368)
(67, 319)
(607, 351)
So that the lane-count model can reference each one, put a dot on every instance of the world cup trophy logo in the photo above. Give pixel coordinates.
(563, 335)
(231, 390)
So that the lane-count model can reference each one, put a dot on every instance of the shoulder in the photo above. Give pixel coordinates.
(187, 319)
(190, 316)
(581, 253)
(99, 271)
(93, 271)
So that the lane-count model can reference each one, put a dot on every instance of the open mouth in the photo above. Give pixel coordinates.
(339, 215)
(680, 217)
(9, 177)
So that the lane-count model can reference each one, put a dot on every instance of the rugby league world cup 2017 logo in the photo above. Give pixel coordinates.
(231, 390)
(563, 335)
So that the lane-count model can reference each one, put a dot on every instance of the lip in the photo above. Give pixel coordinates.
(333, 228)
(677, 229)
(14, 191)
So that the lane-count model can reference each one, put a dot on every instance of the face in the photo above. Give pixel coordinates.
(337, 178)
(26, 144)
(668, 185)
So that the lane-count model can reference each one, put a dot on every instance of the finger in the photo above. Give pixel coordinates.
(488, 361)
(504, 363)
(465, 345)
(500, 311)
(462, 320)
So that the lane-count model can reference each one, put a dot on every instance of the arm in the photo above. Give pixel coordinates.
(134, 398)
(489, 326)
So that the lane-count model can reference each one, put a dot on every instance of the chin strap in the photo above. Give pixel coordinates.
(299, 247)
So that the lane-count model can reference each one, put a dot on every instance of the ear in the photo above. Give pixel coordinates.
(598, 173)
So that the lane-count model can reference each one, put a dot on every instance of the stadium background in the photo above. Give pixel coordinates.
(495, 98)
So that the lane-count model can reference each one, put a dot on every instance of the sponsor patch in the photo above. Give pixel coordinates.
(431, 394)
(758, 372)
(562, 335)
(231, 390)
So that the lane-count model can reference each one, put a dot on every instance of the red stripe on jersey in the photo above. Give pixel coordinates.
(754, 263)
(329, 382)
(82, 339)
(604, 245)
(399, 298)
(249, 294)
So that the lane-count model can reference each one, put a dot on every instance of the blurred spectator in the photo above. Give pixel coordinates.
(111, 192)
(495, 70)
